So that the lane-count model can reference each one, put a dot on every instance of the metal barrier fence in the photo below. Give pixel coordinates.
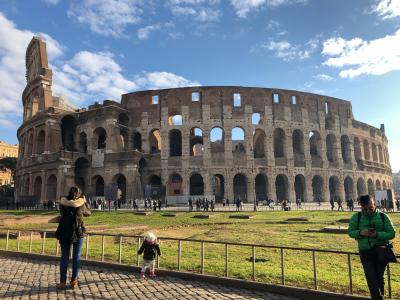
(11, 240)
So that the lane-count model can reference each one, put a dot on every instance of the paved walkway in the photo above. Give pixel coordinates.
(22, 278)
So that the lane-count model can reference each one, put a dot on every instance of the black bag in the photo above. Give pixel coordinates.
(386, 254)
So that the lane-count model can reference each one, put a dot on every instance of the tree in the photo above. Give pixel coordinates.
(9, 163)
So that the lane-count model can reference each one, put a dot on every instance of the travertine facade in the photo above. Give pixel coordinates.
(7, 150)
(234, 142)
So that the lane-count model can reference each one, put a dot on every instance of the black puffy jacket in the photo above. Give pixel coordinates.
(149, 250)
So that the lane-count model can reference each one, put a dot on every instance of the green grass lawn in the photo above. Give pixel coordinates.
(264, 228)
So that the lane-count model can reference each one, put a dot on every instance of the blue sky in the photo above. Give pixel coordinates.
(99, 49)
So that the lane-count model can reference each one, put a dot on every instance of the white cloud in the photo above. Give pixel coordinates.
(243, 7)
(323, 77)
(12, 66)
(107, 17)
(161, 80)
(387, 9)
(51, 2)
(276, 28)
(288, 52)
(358, 57)
(198, 10)
(144, 32)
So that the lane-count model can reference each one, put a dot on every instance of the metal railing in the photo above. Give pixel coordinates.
(35, 245)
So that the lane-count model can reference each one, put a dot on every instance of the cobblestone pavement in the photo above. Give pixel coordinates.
(22, 278)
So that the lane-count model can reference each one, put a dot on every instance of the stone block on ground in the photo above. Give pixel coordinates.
(240, 217)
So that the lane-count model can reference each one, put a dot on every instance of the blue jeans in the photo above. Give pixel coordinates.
(76, 260)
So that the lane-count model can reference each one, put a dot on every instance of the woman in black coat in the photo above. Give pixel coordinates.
(71, 231)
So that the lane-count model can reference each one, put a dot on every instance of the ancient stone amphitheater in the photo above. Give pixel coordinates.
(232, 142)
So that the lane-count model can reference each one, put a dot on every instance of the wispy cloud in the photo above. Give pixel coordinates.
(387, 9)
(243, 7)
(51, 2)
(167, 27)
(204, 11)
(159, 80)
(107, 17)
(323, 77)
(359, 57)
(288, 52)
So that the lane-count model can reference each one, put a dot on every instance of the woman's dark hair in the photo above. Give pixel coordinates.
(73, 191)
(364, 199)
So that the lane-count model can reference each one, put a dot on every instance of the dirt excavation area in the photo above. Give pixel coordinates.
(12, 220)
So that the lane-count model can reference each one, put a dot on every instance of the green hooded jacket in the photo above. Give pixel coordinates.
(384, 230)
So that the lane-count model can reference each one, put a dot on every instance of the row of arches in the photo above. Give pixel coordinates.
(42, 189)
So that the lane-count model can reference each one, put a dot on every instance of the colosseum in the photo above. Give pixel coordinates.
(223, 142)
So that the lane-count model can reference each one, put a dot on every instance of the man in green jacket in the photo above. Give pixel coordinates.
(371, 229)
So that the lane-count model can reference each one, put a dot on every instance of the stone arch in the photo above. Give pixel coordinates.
(99, 138)
(334, 186)
(196, 184)
(282, 187)
(361, 187)
(37, 189)
(40, 142)
(175, 143)
(238, 136)
(384, 187)
(218, 186)
(51, 188)
(257, 118)
(261, 187)
(331, 152)
(315, 141)
(371, 187)
(346, 150)
(279, 143)
(367, 155)
(348, 188)
(123, 119)
(155, 141)
(68, 127)
(154, 188)
(81, 172)
(82, 144)
(259, 138)
(175, 184)
(318, 188)
(378, 185)
(175, 120)
(240, 187)
(120, 181)
(374, 152)
(298, 148)
(357, 148)
(196, 142)
(300, 187)
(217, 140)
(98, 186)
(137, 141)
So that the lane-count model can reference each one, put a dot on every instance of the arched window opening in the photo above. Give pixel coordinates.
(155, 141)
(218, 186)
(175, 120)
(367, 155)
(259, 138)
(348, 188)
(315, 148)
(281, 186)
(196, 185)
(82, 142)
(175, 143)
(123, 120)
(240, 187)
(137, 141)
(346, 151)
(154, 188)
(300, 187)
(51, 189)
(318, 188)
(238, 140)
(68, 128)
(279, 143)
(120, 181)
(196, 142)
(378, 185)
(37, 189)
(371, 188)
(374, 152)
(331, 152)
(100, 138)
(99, 186)
(380, 154)
(123, 135)
(334, 188)
(357, 149)
(81, 171)
(175, 185)
(261, 187)
(258, 118)
(40, 142)
(217, 140)
(384, 187)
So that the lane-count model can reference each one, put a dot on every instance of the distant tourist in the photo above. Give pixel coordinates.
(159, 203)
(351, 204)
(398, 204)
(373, 230)
(223, 202)
(150, 249)
(298, 203)
(340, 202)
(212, 205)
(227, 201)
(332, 202)
(190, 203)
(71, 231)
(237, 204)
